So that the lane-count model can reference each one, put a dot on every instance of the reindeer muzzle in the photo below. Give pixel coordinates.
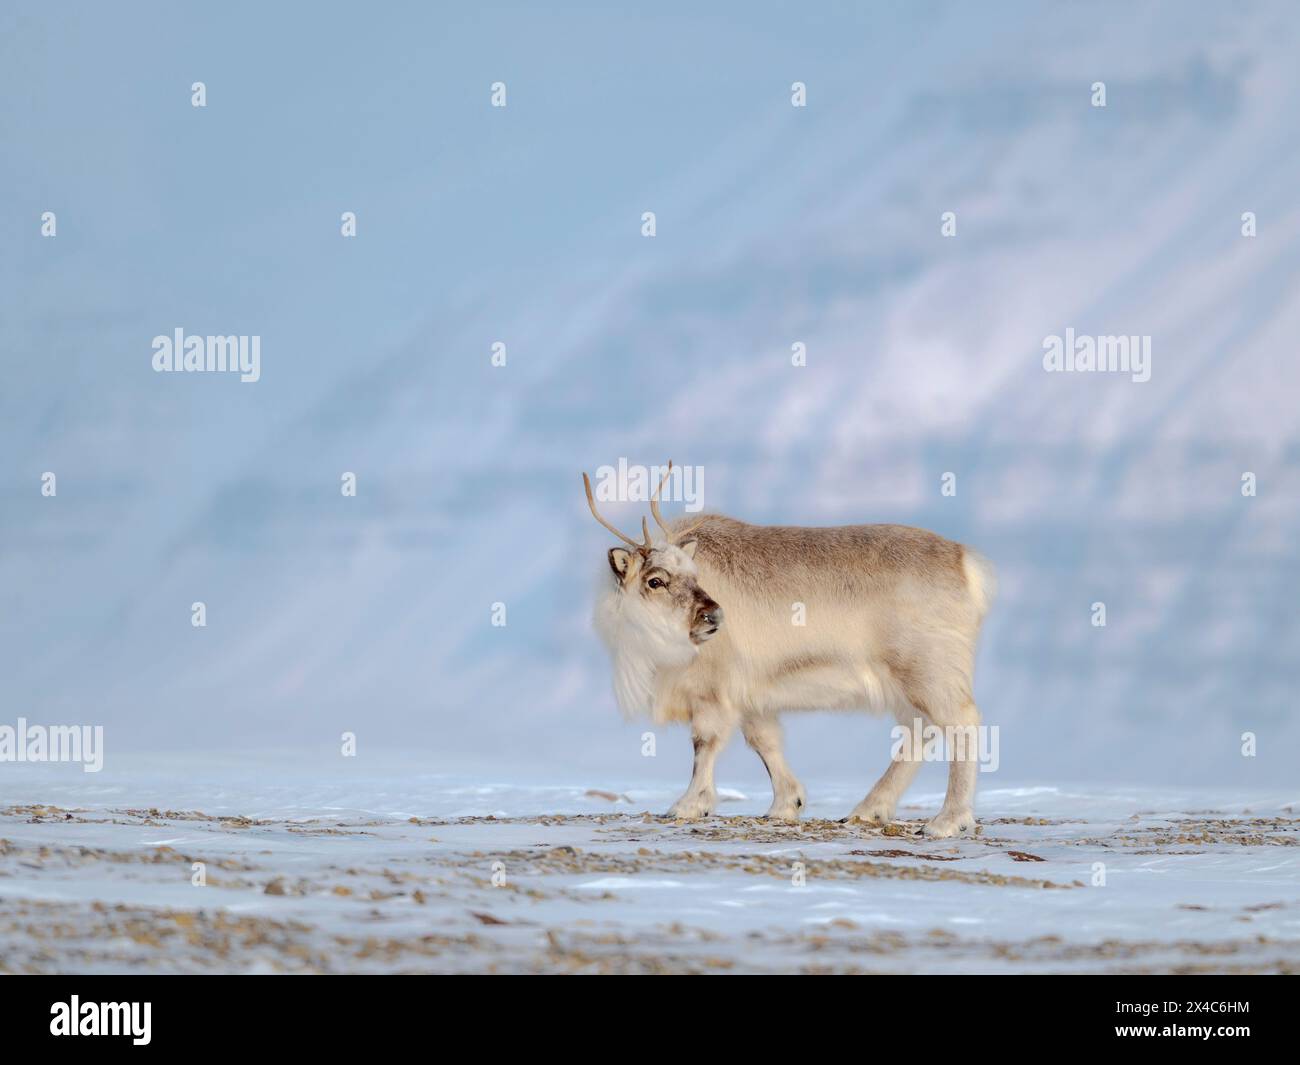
(708, 620)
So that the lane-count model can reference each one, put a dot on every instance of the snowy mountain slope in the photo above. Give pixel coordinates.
(775, 225)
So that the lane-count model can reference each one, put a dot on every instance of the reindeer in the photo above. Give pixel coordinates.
(701, 626)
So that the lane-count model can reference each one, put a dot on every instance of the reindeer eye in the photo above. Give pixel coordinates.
(654, 582)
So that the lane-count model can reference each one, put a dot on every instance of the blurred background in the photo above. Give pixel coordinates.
(522, 225)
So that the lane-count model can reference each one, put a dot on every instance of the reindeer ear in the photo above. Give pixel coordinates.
(689, 547)
(619, 561)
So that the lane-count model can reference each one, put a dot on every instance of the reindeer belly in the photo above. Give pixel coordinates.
(825, 682)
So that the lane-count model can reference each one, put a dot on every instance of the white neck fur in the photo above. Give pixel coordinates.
(641, 648)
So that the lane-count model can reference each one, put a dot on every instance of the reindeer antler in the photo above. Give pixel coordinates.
(645, 529)
(654, 502)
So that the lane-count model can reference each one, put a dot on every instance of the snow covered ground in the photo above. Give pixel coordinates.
(394, 872)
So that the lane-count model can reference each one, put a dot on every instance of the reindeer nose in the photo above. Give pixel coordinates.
(712, 615)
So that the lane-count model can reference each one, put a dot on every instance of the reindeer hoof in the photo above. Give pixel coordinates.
(691, 809)
(785, 809)
(947, 824)
(870, 814)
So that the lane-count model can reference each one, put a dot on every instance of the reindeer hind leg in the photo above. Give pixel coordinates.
(879, 805)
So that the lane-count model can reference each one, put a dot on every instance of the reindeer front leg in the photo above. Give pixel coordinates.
(763, 734)
(709, 734)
